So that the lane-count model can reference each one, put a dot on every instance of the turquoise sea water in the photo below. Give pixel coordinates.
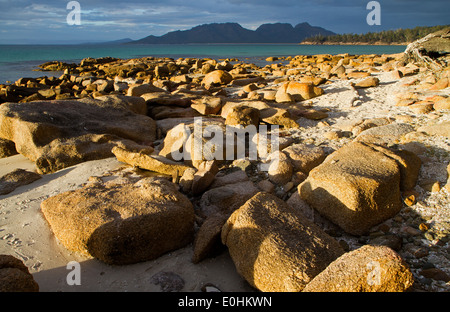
(18, 61)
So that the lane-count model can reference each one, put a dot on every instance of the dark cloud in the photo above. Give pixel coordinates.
(45, 20)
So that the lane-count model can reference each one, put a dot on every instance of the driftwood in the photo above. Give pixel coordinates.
(428, 48)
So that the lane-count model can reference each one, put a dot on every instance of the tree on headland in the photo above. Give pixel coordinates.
(397, 36)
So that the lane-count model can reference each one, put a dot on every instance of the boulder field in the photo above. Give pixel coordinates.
(315, 173)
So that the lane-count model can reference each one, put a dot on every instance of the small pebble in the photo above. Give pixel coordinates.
(423, 227)
(410, 230)
(390, 240)
(410, 200)
(420, 253)
(436, 274)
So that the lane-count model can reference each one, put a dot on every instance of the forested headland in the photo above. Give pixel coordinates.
(398, 36)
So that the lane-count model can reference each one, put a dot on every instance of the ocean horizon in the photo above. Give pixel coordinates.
(17, 61)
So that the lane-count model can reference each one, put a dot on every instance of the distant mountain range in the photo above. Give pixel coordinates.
(235, 33)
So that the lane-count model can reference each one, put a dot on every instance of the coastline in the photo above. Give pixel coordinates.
(19, 61)
(356, 43)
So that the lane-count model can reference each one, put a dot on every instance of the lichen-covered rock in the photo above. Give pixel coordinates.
(367, 269)
(226, 199)
(278, 116)
(356, 188)
(243, 116)
(207, 241)
(140, 89)
(274, 247)
(297, 91)
(367, 83)
(385, 134)
(149, 162)
(441, 129)
(58, 134)
(280, 169)
(10, 181)
(204, 177)
(122, 221)
(207, 105)
(305, 157)
(217, 77)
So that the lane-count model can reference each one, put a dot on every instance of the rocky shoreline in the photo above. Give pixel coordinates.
(355, 43)
(355, 198)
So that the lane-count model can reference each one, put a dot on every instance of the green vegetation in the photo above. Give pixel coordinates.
(399, 36)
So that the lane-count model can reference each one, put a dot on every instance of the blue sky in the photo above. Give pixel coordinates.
(35, 21)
